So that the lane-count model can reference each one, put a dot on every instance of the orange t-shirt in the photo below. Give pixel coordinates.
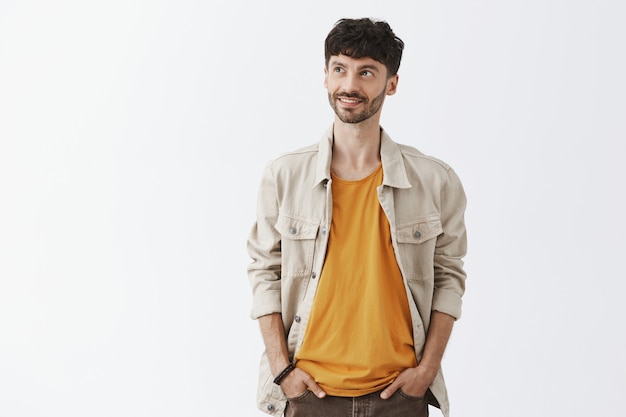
(358, 338)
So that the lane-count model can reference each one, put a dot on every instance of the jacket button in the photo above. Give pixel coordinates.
(293, 230)
(417, 235)
(297, 319)
(270, 407)
(313, 275)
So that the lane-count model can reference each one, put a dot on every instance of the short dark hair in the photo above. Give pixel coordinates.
(365, 37)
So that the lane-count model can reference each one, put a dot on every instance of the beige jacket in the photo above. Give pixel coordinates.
(424, 201)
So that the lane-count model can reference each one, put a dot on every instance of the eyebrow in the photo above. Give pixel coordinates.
(368, 67)
(338, 63)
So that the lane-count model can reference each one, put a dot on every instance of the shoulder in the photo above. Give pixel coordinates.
(424, 169)
(295, 156)
(415, 157)
(295, 161)
(320, 149)
(412, 157)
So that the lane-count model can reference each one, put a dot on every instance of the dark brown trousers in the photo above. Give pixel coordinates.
(370, 405)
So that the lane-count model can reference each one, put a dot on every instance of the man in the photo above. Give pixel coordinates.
(357, 272)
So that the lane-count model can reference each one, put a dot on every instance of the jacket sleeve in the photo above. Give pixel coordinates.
(264, 272)
(450, 249)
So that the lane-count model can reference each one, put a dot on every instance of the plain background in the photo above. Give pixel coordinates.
(133, 136)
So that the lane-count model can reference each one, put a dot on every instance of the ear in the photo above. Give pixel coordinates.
(392, 85)
(325, 77)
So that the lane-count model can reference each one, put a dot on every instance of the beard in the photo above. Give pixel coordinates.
(348, 116)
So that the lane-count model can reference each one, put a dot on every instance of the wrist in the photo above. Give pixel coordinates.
(428, 369)
(288, 369)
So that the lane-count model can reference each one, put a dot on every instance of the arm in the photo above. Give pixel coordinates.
(448, 290)
(264, 273)
(450, 249)
(449, 282)
(273, 334)
(438, 335)
(275, 344)
(415, 381)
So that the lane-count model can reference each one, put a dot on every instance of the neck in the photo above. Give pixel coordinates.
(356, 149)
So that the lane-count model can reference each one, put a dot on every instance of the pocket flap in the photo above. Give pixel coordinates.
(296, 229)
(419, 231)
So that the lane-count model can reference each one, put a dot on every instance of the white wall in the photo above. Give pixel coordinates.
(132, 138)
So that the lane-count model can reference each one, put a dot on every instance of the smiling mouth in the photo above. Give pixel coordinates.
(349, 100)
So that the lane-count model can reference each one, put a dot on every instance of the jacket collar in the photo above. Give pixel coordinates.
(394, 173)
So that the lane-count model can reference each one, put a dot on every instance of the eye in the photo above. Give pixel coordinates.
(338, 69)
(367, 73)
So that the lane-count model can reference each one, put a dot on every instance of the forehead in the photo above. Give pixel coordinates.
(349, 62)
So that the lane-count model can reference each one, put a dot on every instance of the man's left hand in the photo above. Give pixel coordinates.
(412, 381)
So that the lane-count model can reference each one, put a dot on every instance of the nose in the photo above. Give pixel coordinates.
(350, 82)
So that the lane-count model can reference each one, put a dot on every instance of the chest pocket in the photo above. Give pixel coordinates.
(297, 245)
(416, 242)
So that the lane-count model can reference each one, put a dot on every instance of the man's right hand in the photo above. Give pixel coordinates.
(297, 382)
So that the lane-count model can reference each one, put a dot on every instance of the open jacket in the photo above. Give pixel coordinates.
(424, 202)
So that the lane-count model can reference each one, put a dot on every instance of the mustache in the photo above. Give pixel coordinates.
(350, 95)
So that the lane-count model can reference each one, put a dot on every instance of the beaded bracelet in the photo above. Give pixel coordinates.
(284, 373)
